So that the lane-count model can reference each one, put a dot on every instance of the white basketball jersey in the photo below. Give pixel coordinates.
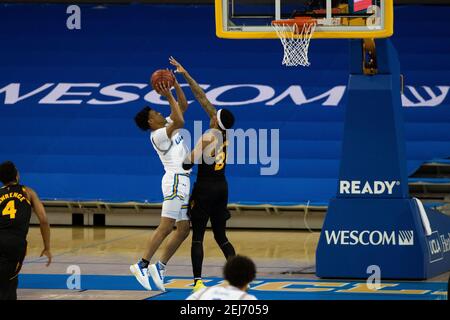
(171, 151)
(221, 293)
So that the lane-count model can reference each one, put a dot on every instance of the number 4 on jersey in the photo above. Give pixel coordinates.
(10, 210)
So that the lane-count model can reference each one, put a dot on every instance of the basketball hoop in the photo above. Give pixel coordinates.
(295, 35)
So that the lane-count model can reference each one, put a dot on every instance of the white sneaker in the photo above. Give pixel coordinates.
(157, 275)
(141, 275)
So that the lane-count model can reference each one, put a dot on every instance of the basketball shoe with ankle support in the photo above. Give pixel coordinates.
(141, 275)
(198, 285)
(157, 273)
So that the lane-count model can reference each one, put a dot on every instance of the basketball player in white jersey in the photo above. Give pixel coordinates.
(239, 271)
(169, 145)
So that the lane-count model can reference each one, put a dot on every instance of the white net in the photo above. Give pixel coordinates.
(295, 42)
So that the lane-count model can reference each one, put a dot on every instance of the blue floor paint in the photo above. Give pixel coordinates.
(285, 291)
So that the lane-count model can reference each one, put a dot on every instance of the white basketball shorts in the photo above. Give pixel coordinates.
(176, 189)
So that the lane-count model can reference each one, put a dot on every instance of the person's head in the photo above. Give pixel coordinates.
(223, 120)
(239, 271)
(8, 173)
(149, 119)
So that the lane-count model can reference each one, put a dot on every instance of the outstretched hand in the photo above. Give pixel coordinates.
(175, 82)
(48, 254)
(176, 64)
(164, 89)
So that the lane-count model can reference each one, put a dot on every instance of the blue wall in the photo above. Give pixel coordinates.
(94, 152)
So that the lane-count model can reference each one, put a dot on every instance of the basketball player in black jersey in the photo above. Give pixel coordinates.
(209, 198)
(16, 203)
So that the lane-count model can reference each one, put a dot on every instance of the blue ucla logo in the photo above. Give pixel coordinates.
(178, 139)
(435, 247)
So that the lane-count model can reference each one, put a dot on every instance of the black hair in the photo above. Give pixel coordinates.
(8, 172)
(239, 271)
(141, 119)
(227, 118)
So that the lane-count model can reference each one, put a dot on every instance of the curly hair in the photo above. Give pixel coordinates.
(239, 271)
(141, 119)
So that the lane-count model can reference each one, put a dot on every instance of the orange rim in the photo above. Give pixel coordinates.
(299, 21)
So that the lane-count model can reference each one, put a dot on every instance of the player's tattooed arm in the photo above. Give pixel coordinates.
(182, 102)
(176, 114)
(200, 96)
(204, 144)
(198, 92)
(39, 210)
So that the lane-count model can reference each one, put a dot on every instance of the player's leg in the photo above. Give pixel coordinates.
(218, 225)
(176, 239)
(175, 209)
(199, 202)
(8, 279)
(12, 288)
(157, 271)
(141, 268)
(14, 281)
(169, 215)
(219, 216)
(199, 220)
(158, 236)
(170, 212)
(178, 209)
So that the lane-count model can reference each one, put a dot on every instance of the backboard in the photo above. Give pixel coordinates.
(351, 19)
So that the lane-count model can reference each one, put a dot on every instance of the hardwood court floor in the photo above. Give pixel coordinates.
(112, 250)
(103, 256)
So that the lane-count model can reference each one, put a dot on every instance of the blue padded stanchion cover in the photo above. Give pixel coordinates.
(373, 220)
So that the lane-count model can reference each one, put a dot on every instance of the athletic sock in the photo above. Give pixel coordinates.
(161, 265)
(196, 280)
(143, 264)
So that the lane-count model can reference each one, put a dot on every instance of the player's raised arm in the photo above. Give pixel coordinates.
(181, 98)
(206, 143)
(39, 210)
(176, 114)
(196, 89)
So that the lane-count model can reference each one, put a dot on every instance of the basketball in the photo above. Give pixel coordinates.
(162, 75)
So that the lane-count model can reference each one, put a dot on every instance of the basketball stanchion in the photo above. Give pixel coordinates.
(373, 220)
